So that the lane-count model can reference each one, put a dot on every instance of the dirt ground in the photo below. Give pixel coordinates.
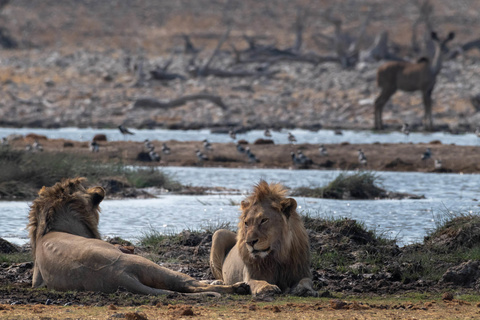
(309, 309)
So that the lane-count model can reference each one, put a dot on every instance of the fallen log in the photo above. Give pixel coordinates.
(152, 103)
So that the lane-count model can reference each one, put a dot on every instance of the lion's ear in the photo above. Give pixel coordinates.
(42, 191)
(289, 205)
(244, 204)
(98, 193)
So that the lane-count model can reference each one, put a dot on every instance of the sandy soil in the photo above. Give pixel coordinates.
(310, 309)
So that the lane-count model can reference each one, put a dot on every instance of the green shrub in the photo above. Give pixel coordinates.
(361, 185)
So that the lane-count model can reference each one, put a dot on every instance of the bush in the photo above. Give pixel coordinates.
(24, 173)
(360, 185)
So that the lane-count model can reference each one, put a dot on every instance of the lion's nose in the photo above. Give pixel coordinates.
(252, 242)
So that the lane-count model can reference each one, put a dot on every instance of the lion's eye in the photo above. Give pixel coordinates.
(264, 221)
(246, 224)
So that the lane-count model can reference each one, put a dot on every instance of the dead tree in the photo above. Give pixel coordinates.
(425, 9)
(409, 77)
(379, 50)
(189, 47)
(161, 73)
(206, 70)
(345, 45)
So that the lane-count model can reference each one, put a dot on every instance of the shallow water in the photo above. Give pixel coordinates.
(280, 137)
(406, 220)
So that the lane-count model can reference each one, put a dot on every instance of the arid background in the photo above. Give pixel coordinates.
(89, 64)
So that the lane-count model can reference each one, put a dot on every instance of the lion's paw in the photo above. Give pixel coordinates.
(241, 288)
(267, 290)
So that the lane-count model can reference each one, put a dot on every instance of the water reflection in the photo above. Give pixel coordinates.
(406, 220)
(279, 137)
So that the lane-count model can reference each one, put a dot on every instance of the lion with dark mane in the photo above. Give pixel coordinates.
(270, 251)
(69, 255)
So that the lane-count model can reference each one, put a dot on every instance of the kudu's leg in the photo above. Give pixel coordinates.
(380, 102)
(427, 102)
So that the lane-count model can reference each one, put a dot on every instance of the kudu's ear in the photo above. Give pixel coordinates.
(434, 36)
(451, 35)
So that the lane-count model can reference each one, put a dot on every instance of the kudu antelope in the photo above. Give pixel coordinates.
(409, 77)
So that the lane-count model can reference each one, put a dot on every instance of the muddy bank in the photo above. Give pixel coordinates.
(346, 260)
(343, 156)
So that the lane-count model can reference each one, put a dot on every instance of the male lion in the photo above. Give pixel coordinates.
(69, 255)
(271, 251)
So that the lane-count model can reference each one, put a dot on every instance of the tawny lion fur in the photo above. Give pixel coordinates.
(270, 251)
(69, 255)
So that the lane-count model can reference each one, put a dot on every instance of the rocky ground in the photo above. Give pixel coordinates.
(73, 68)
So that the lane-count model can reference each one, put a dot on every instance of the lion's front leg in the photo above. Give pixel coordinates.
(263, 288)
(304, 288)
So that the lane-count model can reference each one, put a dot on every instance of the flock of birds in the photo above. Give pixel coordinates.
(298, 158)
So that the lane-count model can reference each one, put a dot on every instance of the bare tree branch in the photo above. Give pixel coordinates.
(151, 103)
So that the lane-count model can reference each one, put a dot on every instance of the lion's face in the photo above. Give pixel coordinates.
(264, 226)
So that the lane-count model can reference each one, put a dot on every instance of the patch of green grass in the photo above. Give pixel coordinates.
(361, 185)
(151, 177)
(456, 239)
(17, 257)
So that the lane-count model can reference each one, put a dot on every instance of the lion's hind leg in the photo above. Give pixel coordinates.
(133, 285)
(222, 242)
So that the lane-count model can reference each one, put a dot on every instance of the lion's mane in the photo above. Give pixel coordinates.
(65, 200)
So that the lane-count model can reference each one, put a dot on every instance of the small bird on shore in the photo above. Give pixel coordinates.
(4, 142)
(338, 132)
(362, 159)
(303, 158)
(154, 156)
(405, 129)
(201, 156)
(295, 160)
(427, 154)
(94, 146)
(36, 146)
(124, 131)
(438, 164)
(206, 145)
(165, 148)
(267, 133)
(148, 144)
(323, 151)
(240, 148)
(232, 135)
(477, 132)
(251, 156)
(291, 138)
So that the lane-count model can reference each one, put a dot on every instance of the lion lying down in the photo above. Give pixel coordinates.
(69, 255)
(271, 251)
